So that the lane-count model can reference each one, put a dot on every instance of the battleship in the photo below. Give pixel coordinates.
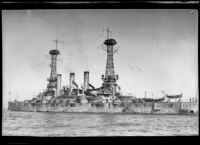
(105, 99)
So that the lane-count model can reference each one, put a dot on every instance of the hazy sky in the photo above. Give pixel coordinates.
(157, 49)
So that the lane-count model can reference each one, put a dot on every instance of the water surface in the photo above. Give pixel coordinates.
(86, 124)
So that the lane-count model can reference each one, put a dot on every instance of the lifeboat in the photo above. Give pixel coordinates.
(153, 100)
(174, 96)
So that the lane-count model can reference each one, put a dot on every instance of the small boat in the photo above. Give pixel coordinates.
(174, 96)
(153, 100)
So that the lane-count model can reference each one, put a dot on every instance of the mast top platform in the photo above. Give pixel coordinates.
(54, 52)
(110, 42)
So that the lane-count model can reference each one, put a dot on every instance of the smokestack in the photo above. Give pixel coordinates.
(71, 80)
(58, 84)
(86, 80)
(76, 87)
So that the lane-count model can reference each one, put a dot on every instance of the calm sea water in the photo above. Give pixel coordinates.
(85, 124)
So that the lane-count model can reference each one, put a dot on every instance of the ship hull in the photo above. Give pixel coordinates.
(166, 108)
(87, 108)
(131, 108)
(139, 108)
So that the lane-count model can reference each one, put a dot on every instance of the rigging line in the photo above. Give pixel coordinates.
(131, 67)
(136, 66)
(40, 64)
(100, 35)
(85, 50)
(57, 41)
(71, 54)
(78, 53)
(93, 56)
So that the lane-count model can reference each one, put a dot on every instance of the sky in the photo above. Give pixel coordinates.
(157, 49)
